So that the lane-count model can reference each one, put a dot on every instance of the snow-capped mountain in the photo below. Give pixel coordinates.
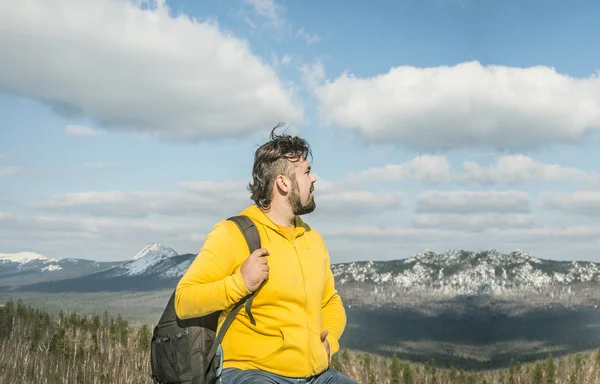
(459, 272)
(155, 266)
(29, 267)
(426, 274)
(153, 260)
(20, 257)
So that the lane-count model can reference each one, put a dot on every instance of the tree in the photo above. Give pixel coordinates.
(345, 356)
(36, 335)
(395, 370)
(511, 372)
(6, 323)
(143, 339)
(407, 375)
(94, 342)
(123, 331)
(58, 344)
(96, 323)
(573, 378)
(61, 317)
(452, 374)
(105, 320)
(21, 310)
(550, 370)
(537, 374)
(433, 371)
(10, 306)
(368, 369)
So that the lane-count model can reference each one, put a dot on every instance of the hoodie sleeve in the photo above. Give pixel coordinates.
(333, 312)
(213, 282)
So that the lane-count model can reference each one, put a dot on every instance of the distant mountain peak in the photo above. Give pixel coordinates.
(154, 249)
(465, 272)
(22, 257)
(459, 256)
(148, 257)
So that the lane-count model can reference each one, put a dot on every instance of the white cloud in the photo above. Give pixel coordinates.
(514, 169)
(348, 203)
(90, 238)
(212, 199)
(9, 170)
(473, 221)
(463, 106)
(179, 219)
(586, 203)
(492, 237)
(139, 69)
(473, 202)
(47, 226)
(270, 14)
(508, 169)
(137, 204)
(431, 169)
(78, 130)
(310, 38)
(277, 62)
(286, 60)
(312, 74)
(267, 9)
(214, 187)
(548, 234)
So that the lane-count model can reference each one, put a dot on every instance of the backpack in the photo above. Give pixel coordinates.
(185, 351)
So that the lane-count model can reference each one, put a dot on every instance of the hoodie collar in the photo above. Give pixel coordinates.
(259, 216)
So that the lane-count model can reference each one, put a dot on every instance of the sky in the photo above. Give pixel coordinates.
(434, 124)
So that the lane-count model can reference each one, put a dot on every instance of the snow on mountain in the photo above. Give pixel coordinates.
(178, 270)
(459, 272)
(427, 274)
(52, 267)
(146, 260)
(21, 257)
(29, 261)
(24, 268)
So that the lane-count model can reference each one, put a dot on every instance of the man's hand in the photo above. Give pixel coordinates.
(326, 343)
(255, 269)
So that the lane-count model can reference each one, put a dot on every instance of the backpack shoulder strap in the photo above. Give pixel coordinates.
(252, 237)
(249, 230)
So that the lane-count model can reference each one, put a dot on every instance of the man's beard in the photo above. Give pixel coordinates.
(295, 202)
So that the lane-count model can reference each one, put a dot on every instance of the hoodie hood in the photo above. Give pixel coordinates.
(262, 220)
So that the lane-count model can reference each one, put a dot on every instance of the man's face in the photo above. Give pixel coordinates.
(301, 197)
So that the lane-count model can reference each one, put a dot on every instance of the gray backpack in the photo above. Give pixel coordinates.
(184, 351)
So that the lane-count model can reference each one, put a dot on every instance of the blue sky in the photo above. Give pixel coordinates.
(434, 124)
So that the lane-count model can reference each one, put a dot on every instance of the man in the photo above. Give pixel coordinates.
(297, 316)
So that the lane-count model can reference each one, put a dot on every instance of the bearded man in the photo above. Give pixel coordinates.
(297, 317)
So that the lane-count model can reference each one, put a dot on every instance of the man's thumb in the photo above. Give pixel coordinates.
(324, 335)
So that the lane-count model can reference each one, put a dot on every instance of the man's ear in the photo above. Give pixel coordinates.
(282, 183)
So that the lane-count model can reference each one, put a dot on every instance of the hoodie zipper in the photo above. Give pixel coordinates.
(293, 241)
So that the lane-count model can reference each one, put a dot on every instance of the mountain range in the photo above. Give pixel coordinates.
(468, 309)
(449, 274)
(30, 267)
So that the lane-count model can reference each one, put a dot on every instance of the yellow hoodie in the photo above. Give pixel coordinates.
(293, 307)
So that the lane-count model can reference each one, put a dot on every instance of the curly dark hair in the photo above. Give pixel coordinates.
(273, 158)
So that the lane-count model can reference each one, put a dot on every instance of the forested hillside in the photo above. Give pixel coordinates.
(38, 348)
